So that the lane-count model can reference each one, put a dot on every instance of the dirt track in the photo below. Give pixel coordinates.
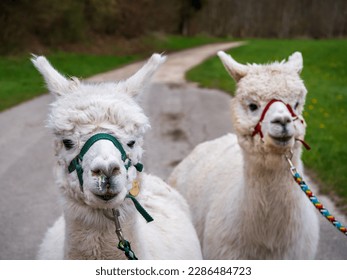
(181, 115)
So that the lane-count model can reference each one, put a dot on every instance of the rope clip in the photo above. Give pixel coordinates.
(123, 244)
(118, 227)
(289, 159)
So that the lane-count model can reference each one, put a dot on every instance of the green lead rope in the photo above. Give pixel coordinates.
(123, 244)
(139, 208)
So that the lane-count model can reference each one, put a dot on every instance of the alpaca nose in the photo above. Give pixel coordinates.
(282, 120)
(108, 169)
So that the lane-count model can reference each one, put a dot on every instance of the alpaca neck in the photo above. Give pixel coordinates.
(263, 173)
(270, 195)
(91, 235)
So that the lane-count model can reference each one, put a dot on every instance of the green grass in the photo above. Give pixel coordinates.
(176, 43)
(325, 76)
(19, 80)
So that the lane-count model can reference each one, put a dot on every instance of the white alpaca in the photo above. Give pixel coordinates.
(244, 201)
(87, 228)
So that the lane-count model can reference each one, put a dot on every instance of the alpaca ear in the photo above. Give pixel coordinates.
(235, 69)
(295, 61)
(56, 83)
(134, 85)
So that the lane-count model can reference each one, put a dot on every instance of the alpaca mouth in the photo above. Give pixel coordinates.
(281, 140)
(106, 197)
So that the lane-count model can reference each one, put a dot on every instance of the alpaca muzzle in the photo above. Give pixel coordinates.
(76, 163)
(258, 128)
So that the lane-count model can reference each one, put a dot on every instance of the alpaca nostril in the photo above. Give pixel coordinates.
(96, 172)
(115, 171)
(112, 169)
(276, 121)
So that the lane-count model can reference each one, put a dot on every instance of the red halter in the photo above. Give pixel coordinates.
(257, 128)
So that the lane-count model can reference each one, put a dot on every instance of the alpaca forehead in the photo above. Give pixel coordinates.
(98, 110)
(271, 83)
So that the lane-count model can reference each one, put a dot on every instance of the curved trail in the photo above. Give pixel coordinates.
(181, 116)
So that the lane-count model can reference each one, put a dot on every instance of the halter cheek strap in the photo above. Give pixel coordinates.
(75, 164)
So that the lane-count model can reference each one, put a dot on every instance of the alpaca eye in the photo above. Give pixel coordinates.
(253, 107)
(131, 144)
(296, 105)
(68, 144)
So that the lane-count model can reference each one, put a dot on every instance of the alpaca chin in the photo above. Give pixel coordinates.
(99, 202)
(279, 145)
(266, 147)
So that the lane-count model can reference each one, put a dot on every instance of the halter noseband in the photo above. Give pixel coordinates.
(75, 164)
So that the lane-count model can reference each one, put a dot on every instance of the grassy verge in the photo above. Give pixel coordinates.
(176, 43)
(325, 75)
(19, 81)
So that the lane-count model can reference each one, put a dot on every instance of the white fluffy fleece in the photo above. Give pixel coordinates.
(244, 201)
(82, 109)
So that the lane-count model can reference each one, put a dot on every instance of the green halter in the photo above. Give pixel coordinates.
(75, 164)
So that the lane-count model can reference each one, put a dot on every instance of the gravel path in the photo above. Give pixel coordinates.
(181, 115)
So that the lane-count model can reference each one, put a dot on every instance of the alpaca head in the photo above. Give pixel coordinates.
(268, 104)
(82, 110)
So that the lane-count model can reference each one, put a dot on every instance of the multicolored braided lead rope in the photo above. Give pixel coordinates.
(314, 199)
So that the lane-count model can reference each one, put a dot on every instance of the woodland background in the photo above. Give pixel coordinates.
(90, 24)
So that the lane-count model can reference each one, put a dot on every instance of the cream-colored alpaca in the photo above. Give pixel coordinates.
(87, 228)
(244, 200)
